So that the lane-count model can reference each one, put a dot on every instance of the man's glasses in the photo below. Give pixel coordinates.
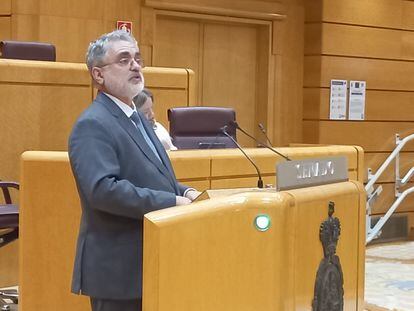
(127, 62)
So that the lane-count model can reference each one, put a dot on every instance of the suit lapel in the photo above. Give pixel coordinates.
(136, 136)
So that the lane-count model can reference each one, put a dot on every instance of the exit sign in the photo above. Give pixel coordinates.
(124, 25)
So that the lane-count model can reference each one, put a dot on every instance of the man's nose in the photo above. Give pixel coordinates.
(135, 65)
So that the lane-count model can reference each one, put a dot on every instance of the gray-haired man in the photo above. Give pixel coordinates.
(122, 172)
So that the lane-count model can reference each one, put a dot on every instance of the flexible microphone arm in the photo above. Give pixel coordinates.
(236, 125)
(263, 130)
(259, 181)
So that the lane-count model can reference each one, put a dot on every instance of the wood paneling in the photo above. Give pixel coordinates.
(313, 10)
(379, 74)
(371, 136)
(5, 28)
(377, 105)
(264, 87)
(43, 122)
(362, 40)
(9, 264)
(346, 40)
(25, 27)
(41, 101)
(375, 160)
(387, 198)
(62, 30)
(288, 73)
(217, 53)
(166, 99)
(229, 72)
(25, 6)
(5, 7)
(195, 242)
(48, 234)
(177, 44)
(380, 13)
(256, 9)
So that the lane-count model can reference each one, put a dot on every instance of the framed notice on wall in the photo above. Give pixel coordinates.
(357, 100)
(337, 107)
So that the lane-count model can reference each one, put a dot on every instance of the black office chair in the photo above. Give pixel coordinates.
(9, 231)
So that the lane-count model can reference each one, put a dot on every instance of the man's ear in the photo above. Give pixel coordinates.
(97, 75)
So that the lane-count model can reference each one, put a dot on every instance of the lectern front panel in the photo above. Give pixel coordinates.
(212, 255)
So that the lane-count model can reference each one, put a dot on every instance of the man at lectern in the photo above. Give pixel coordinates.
(122, 172)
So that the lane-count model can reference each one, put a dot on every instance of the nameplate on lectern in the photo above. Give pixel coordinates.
(311, 172)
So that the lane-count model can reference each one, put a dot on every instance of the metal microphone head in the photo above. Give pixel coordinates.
(261, 127)
(224, 129)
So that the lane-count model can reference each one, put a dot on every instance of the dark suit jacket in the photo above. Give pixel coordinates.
(119, 179)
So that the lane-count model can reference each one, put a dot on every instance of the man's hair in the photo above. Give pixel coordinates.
(98, 48)
(141, 98)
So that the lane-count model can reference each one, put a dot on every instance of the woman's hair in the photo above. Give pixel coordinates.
(141, 98)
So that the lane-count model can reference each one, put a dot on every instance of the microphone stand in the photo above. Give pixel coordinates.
(236, 125)
(262, 129)
(259, 181)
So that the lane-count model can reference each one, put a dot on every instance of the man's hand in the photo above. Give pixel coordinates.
(179, 200)
(192, 194)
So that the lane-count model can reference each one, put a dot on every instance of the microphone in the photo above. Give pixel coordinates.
(236, 125)
(259, 181)
(263, 130)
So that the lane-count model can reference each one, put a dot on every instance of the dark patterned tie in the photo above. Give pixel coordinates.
(134, 117)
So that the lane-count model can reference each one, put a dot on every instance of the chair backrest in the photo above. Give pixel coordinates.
(9, 215)
(201, 127)
(27, 50)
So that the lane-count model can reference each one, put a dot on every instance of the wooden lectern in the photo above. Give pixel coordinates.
(208, 256)
(213, 256)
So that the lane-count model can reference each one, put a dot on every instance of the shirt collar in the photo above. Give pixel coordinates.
(124, 107)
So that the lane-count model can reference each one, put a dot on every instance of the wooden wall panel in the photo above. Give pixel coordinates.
(178, 41)
(166, 99)
(61, 30)
(288, 72)
(380, 13)
(9, 264)
(25, 6)
(5, 28)
(25, 27)
(70, 25)
(387, 197)
(229, 72)
(241, 5)
(379, 74)
(369, 40)
(371, 136)
(177, 44)
(37, 118)
(374, 160)
(346, 40)
(5, 7)
(377, 105)
(408, 15)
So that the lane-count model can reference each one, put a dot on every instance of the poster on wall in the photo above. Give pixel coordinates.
(337, 109)
(357, 100)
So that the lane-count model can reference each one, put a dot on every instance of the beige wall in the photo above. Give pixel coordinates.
(362, 40)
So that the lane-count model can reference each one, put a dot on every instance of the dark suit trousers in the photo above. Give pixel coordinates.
(115, 305)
